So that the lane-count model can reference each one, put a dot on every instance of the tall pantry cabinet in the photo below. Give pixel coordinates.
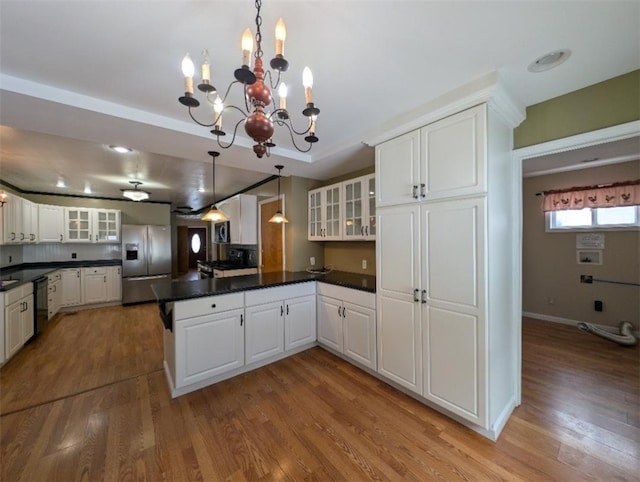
(444, 265)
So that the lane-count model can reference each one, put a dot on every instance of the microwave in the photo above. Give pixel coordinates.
(221, 232)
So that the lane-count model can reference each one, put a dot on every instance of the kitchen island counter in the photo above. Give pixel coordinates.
(185, 290)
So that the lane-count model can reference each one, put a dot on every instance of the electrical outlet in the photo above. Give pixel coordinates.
(74, 255)
(10, 259)
(597, 305)
(585, 278)
(364, 264)
(312, 260)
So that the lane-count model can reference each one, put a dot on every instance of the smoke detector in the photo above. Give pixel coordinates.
(549, 61)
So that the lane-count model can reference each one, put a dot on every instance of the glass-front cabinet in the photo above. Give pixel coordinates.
(78, 225)
(106, 225)
(325, 213)
(359, 208)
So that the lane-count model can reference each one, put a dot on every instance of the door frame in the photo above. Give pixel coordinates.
(578, 141)
(284, 212)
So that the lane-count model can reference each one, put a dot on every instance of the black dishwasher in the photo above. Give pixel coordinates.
(41, 311)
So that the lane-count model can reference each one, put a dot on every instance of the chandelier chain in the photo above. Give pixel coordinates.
(258, 53)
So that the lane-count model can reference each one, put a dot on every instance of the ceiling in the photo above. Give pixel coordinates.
(78, 76)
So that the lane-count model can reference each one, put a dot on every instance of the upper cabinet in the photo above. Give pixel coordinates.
(242, 211)
(50, 223)
(89, 225)
(77, 223)
(325, 218)
(19, 220)
(441, 160)
(343, 211)
(106, 225)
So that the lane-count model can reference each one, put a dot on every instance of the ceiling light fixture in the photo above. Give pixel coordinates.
(549, 61)
(258, 123)
(214, 214)
(121, 149)
(135, 194)
(61, 183)
(278, 217)
(87, 189)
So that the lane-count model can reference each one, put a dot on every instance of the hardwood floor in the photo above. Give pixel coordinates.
(308, 417)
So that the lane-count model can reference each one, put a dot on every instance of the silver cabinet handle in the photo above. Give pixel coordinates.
(424, 297)
(61, 237)
(415, 192)
(281, 310)
(21, 236)
(287, 309)
(344, 312)
(13, 236)
(241, 319)
(423, 190)
(367, 230)
(339, 313)
(362, 230)
(415, 295)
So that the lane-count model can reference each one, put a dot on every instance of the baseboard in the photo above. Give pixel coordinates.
(567, 321)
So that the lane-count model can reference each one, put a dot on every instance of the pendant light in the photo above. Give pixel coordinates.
(214, 214)
(135, 194)
(278, 217)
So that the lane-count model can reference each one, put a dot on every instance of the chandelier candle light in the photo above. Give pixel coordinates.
(258, 123)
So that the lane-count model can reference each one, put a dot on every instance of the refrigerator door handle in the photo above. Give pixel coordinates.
(149, 250)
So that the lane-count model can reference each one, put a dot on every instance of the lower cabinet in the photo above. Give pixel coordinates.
(209, 337)
(18, 318)
(94, 285)
(114, 283)
(54, 294)
(278, 320)
(347, 323)
(71, 287)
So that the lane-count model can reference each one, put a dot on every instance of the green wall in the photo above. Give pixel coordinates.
(609, 103)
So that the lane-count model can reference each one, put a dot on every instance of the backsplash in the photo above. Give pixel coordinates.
(35, 253)
(11, 255)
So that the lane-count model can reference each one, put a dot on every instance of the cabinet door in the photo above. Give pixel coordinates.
(330, 323)
(12, 220)
(264, 331)
(33, 228)
(13, 328)
(369, 184)
(78, 228)
(94, 285)
(71, 287)
(398, 170)
(355, 216)
(299, 322)
(332, 212)
(50, 223)
(209, 345)
(454, 155)
(26, 322)
(106, 226)
(453, 318)
(314, 227)
(114, 283)
(359, 325)
(398, 296)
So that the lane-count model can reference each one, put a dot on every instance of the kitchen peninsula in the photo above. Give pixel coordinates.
(219, 328)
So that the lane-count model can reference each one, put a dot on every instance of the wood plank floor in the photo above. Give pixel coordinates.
(90, 402)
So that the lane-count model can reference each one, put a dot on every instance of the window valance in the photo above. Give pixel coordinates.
(600, 196)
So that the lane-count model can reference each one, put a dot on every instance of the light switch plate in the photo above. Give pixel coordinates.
(364, 264)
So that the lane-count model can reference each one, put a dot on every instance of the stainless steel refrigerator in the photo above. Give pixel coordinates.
(146, 260)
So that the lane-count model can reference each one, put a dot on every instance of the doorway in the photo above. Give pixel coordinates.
(192, 247)
(271, 238)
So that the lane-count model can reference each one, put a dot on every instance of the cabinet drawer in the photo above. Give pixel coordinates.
(96, 270)
(18, 293)
(357, 297)
(208, 305)
(279, 293)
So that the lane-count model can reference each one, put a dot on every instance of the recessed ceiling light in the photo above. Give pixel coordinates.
(60, 183)
(549, 61)
(121, 149)
(87, 189)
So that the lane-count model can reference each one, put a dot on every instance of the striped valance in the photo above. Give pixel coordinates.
(600, 196)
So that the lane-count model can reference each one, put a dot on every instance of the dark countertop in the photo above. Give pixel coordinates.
(28, 272)
(184, 290)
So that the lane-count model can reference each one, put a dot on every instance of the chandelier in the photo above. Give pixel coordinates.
(258, 120)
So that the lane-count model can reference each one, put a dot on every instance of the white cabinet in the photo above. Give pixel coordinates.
(12, 220)
(114, 283)
(325, 213)
(50, 223)
(446, 158)
(77, 223)
(264, 333)
(71, 287)
(54, 293)
(18, 317)
(359, 208)
(278, 320)
(29, 221)
(242, 211)
(444, 263)
(94, 285)
(105, 225)
(347, 323)
(209, 337)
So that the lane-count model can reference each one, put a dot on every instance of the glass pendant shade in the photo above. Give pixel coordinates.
(278, 217)
(135, 194)
(214, 214)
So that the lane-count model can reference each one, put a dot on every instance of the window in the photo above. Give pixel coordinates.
(624, 217)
